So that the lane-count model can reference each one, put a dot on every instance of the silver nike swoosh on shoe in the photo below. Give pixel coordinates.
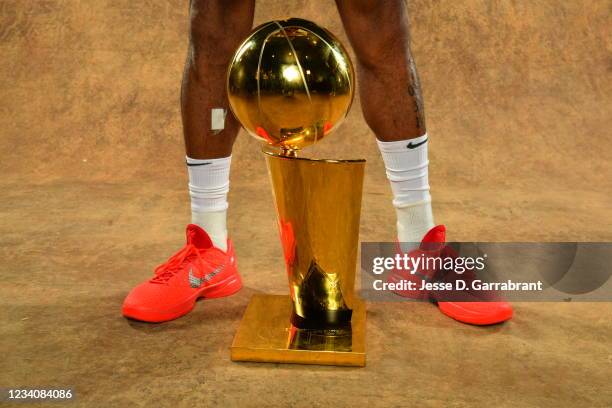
(195, 282)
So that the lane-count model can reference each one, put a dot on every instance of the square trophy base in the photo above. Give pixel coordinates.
(266, 335)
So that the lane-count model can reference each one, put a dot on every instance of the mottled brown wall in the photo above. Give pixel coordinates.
(515, 91)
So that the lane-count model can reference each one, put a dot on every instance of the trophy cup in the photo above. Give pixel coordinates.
(290, 84)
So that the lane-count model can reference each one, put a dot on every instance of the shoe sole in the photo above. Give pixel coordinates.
(475, 320)
(462, 318)
(227, 287)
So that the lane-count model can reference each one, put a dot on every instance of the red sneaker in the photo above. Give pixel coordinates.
(431, 247)
(198, 270)
(466, 307)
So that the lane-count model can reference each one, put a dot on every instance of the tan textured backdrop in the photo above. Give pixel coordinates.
(518, 100)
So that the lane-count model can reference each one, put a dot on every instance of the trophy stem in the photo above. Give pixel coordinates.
(318, 204)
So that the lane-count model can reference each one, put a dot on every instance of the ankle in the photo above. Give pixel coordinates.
(214, 223)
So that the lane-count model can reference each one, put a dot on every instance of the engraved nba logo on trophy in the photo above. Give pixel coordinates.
(290, 84)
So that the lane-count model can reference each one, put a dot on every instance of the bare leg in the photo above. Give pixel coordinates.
(389, 86)
(216, 30)
(392, 107)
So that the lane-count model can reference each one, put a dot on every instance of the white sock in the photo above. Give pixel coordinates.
(208, 188)
(407, 170)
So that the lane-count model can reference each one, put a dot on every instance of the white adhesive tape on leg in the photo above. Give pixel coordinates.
(217, 119)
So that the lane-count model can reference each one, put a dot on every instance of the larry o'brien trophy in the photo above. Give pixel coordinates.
(290, 84)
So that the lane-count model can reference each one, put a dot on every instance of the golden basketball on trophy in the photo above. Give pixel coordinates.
(290, 84)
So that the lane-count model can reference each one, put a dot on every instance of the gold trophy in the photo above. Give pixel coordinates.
(290, 84)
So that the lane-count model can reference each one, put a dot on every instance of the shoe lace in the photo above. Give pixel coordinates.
(168, 269)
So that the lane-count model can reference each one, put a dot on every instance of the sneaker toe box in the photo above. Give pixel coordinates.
(150, 302)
